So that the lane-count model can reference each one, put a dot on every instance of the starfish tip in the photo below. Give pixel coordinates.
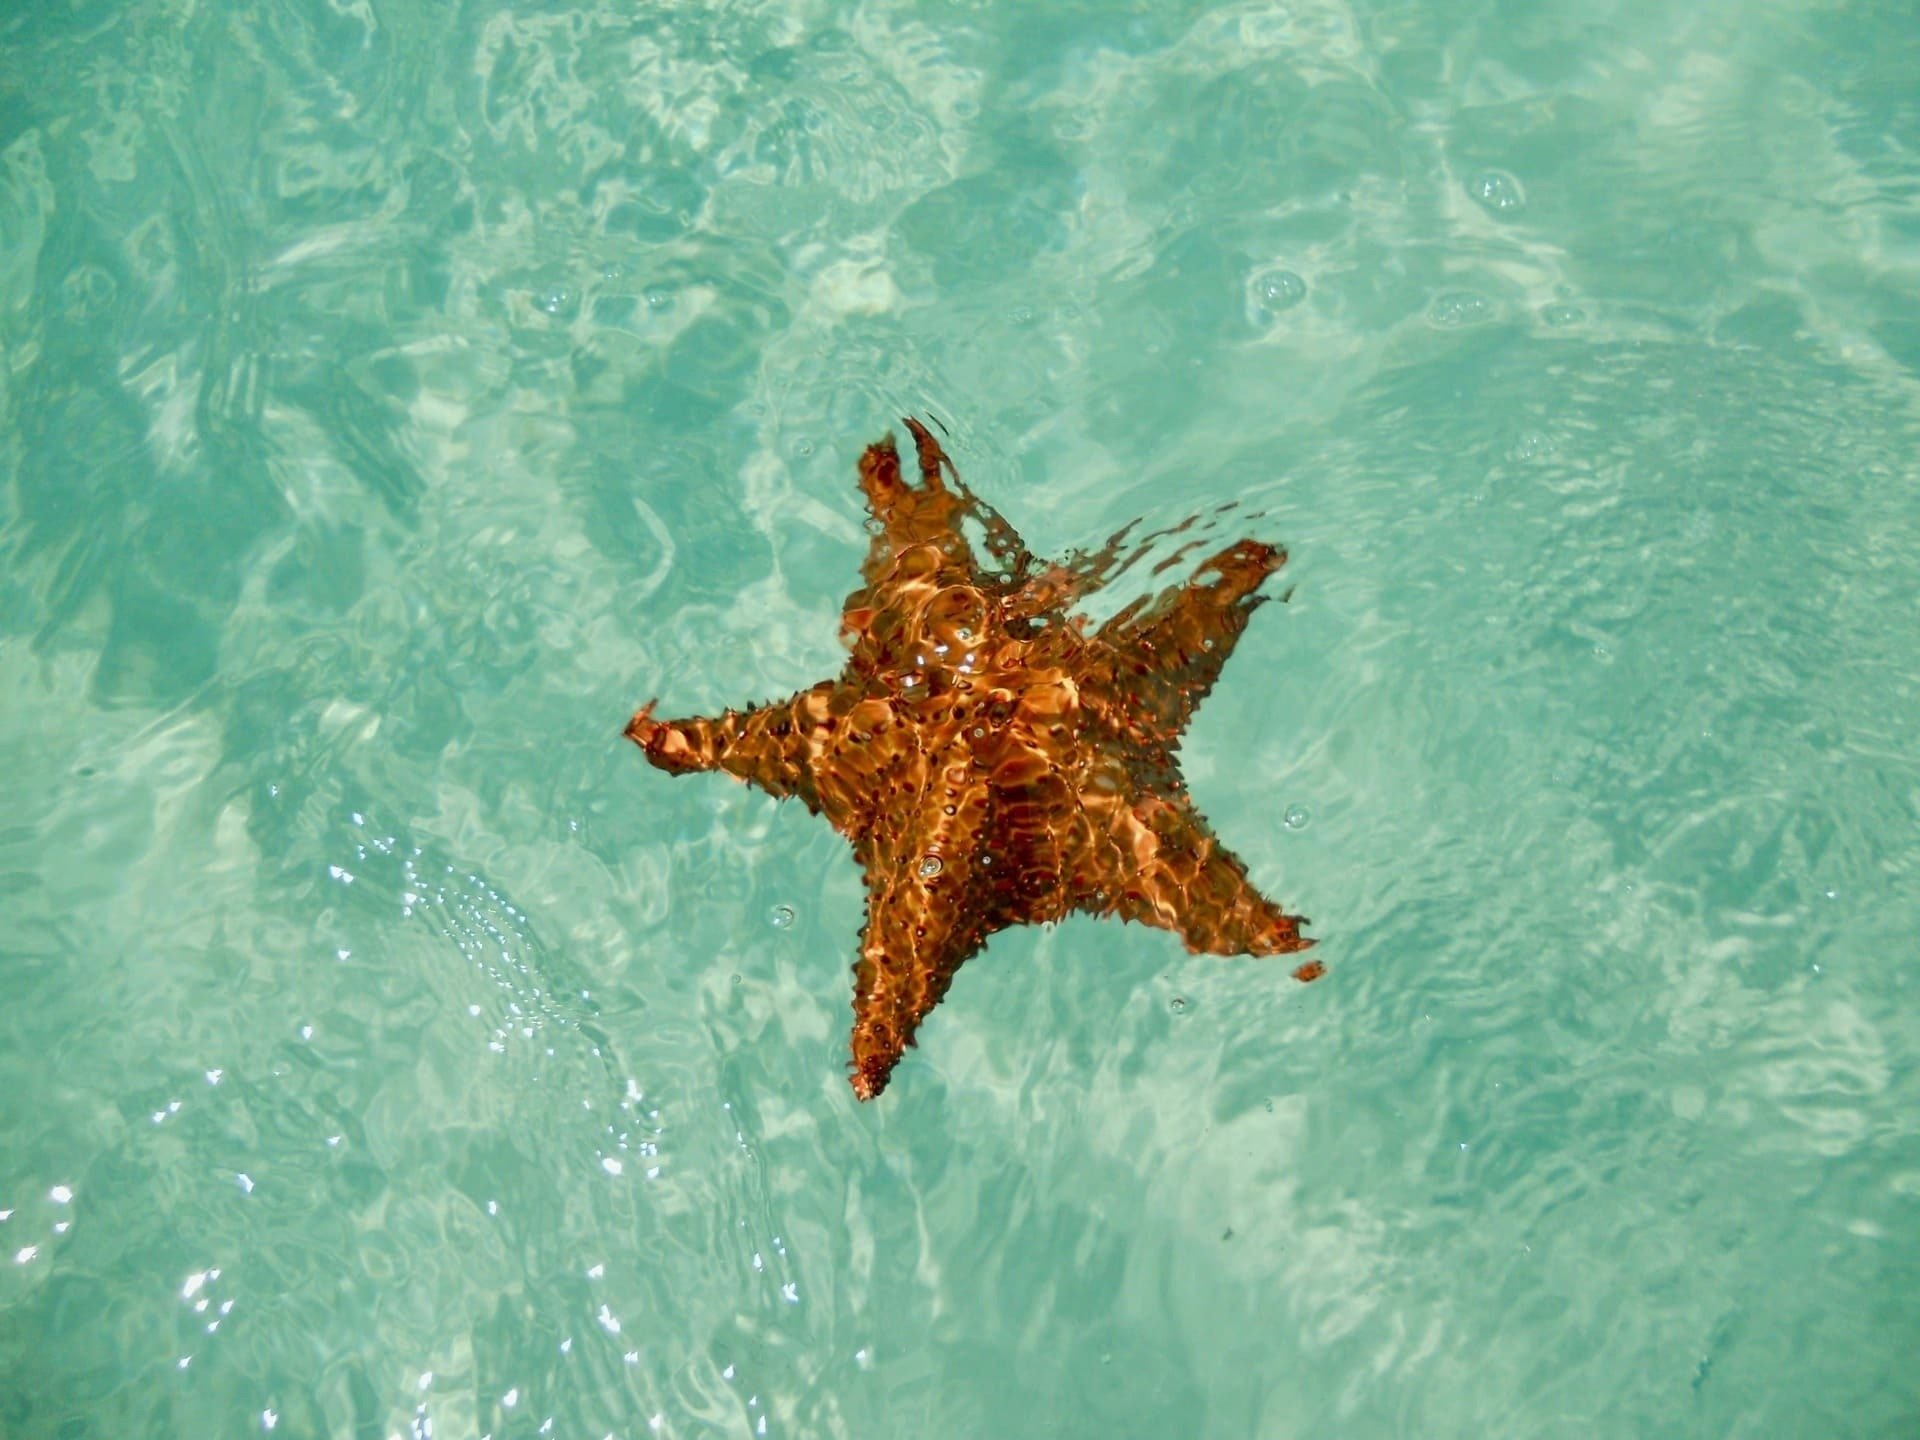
(641, 725)
(869, 1077)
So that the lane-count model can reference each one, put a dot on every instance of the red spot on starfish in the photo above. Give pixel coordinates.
(992, 760)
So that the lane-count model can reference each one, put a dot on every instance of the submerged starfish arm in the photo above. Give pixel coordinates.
(1178, 877)
(770, 746)
(921, 928)
(933, 513)
(904, 516)
(1169, 652)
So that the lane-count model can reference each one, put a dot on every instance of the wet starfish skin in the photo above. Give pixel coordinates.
(994, 762)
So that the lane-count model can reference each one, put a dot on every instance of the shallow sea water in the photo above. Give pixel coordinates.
(394, 395)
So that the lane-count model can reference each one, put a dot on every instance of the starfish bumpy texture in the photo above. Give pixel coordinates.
(993, 760)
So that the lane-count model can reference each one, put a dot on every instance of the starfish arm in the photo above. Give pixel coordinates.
(770, 747)
(1056, 586)
(1168, 653)
(922, 925)
(881, 481)
(1173, 874)
(932, 513)
(933, 460)
(1008, 551)
(905, 516)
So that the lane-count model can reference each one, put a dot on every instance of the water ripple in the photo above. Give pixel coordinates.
(395, 398)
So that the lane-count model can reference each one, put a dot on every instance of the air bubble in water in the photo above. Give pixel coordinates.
(781, 917)
(1272, 290)
(1280, 288)
(1297, 817)
(1459, 308)
(1497, 191)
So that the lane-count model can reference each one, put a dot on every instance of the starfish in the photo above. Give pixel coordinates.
(994, 760)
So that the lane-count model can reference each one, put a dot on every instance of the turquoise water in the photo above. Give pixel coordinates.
(394, 395)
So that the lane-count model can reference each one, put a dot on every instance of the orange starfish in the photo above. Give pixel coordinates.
(992, 761)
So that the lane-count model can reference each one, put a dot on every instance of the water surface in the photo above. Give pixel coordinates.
(395, 395)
